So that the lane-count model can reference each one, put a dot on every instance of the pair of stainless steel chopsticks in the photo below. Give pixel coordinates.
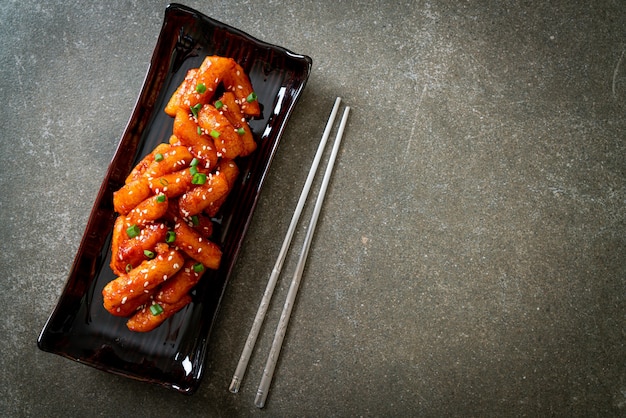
(281, 329)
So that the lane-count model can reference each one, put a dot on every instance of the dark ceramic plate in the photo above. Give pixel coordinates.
(173, 355)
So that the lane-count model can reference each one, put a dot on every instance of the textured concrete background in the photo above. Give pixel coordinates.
(471, 255)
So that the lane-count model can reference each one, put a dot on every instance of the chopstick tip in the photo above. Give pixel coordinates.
(259, 401)
(234, 385)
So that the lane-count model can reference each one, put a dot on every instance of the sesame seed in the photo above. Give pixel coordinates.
(146, 283)
(199, 250)
(164, 277)
(124, 300)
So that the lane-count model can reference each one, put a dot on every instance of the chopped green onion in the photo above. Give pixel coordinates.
(156, 309)
(148, 253)
(129, 267)
(251, 97)
(170, 237)
(164, 182)
(198, 178)
(194, 220)
(215, 134)
(158, 157)
(193, 170)
(194, 162)
(195, 109)
(241, 131)
(201, 88)
(199, 130)
(219, 104)
(132, 231)
(198, 268)
(161, 198)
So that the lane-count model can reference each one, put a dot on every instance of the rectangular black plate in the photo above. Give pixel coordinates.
(173, 355)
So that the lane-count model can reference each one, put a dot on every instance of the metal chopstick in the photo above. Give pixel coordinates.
(270, 366)
(271, 284)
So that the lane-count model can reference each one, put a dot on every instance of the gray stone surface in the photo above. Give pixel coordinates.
(471, 254)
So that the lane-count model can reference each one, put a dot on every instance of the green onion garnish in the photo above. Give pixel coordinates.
(161, 198)
(170, 237)
(200, 88)
(132, 231)
(198, 178)
(193, 170)
(129, 267)
(195, 221)
(215, 134)
(198, 268)
(148, 253)
(195, 109)
(219, 104)
(158, 157)
(199, 130)
(251, 97)
(241, 131)
(194, 162)
(156, 309)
